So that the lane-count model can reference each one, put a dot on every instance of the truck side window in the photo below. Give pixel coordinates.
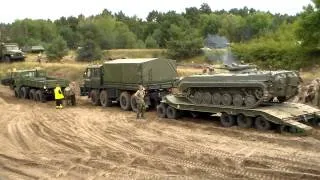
(89, 73)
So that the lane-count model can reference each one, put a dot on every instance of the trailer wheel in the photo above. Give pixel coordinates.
(172, 113)
(134, 105)
(244, 121)
(17, 93)
(94, 94)
(162, 110)
(32, 94)
(40, 96)
(104, 100)
(24, 92)
(262, 124)
(125, 101)
(227, 120)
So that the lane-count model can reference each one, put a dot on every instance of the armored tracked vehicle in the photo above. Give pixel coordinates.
(118, 80)
(241, 90)
(33, 84)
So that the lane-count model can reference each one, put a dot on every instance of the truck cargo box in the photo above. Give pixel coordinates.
(139, 71)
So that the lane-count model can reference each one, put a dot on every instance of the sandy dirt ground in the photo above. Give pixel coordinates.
(87, 142)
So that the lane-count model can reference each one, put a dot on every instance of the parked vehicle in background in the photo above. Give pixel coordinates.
(10, 52)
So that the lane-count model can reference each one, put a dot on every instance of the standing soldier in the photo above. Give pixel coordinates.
(140, 101)
(70, 94)
(58, 96)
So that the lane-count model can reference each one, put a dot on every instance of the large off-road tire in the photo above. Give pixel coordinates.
(95, 99)
(125, 101)
(262, 124)
(32, 94)
(162, 110)
(227, 120)
(24, 92)
(244, 121)
(40, 96)
(17, 92)
(134, 105)
(104, 99)
(172, 113)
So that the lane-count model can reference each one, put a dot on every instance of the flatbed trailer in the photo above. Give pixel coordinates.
(291, 117)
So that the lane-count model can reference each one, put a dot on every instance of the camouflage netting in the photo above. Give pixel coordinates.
(309, 94)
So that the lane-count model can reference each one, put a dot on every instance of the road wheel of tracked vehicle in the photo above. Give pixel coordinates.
(104, 100)
(262, 124)
(134, 105)
(198, 97)
(227, 120)
(206, 98)
(17, 93)
(250, 100)
(244, 121)
(125, 101)
(40, 96)
(216, 98)
(162, 110)
(172, 113)
(226, 99)
(32, 94)
(24, 93)
(258, 93)
(237, 100)
(95, 100)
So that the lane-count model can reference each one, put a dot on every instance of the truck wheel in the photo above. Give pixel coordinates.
(104, 100)
(24, 93)
(172, 113)
(94, 94)
(17, 93)
(40, 96)
(227, 120)
(162, 110)
(125, 101)
(32, 94)
(244, 121)
(262, 124)
(134, 105)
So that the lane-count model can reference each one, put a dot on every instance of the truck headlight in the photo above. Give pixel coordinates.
(44, 87)
(11, 55)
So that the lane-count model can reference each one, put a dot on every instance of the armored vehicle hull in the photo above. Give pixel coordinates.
(246, 90)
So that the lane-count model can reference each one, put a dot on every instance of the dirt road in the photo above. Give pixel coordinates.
(86, 142)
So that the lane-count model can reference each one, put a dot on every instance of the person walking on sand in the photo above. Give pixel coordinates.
(58, 96)
(140, 101)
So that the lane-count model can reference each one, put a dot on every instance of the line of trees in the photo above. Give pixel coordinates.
(181, 33)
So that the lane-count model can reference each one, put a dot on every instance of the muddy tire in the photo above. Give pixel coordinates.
(24, 93)
(17, 93)
(95, 100)
(134, 105)
(227, 120)
(172, 113)
(262, 124)
(125, 101)
(40, 96)
(244, 121)
(32, 94)
(162, 110)
(104, 99)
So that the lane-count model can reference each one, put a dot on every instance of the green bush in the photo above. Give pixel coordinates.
(178, 49)
(57, 49)
(89, 51)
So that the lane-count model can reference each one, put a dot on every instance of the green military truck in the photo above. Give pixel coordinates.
(117, 80)
(33, 84)
(10, 52)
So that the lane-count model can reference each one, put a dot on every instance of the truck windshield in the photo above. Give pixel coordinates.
(12, 48)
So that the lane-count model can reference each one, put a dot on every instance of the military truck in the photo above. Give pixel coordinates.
(117, 80)
(10, 52)
(33, 84)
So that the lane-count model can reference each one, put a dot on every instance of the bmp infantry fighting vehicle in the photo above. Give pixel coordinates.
(10, 51)
(117, 80)
(33, 84)
(246, 88)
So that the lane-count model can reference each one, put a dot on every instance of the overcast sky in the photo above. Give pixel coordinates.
(54, 9)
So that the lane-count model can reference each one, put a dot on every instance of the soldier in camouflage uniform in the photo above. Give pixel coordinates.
(140, 101)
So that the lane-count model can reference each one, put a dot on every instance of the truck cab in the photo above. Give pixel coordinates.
(92, 78)
(10, 51)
